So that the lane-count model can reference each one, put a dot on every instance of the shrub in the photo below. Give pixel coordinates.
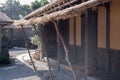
(4, 60)
(35, 40)
(4, 57)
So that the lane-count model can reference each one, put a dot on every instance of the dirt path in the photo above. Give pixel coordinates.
(22, 70)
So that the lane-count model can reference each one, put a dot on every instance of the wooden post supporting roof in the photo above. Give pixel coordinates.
(108, 35)
(58, 49)
(27, 45)
(0, 40)
(86, 43)
(90, 40)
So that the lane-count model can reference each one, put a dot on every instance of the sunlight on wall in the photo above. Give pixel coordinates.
(102, 27)
(115, 25)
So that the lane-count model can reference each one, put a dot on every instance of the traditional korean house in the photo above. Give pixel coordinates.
(4, 55)
(14, 38)
(17, 38)
(84, 33)
(4, 21)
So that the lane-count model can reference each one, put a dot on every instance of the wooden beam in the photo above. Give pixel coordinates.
(0, 39)
(86, 43)
(90, 41)
(108, 35)
(42, 41)
(27, 45)
(57, 8)
(74, 54)
(66, 50)
(58, 50)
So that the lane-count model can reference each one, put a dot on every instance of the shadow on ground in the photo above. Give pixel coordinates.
(19, 71)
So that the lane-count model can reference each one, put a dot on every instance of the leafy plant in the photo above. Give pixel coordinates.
(35, 39)
(38, 3)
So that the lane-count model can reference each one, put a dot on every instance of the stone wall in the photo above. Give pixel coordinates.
(18, 39)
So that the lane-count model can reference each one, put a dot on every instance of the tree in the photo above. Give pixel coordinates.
(44, 2)
(37, 4)
(14, 9)
(27, 9)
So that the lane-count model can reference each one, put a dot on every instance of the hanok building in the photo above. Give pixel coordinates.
(88, 28)
(4, 21)
(17, 35)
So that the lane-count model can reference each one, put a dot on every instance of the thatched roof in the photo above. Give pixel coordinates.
(5, 20)
(62, 14)
(53, 6)
(4, 17)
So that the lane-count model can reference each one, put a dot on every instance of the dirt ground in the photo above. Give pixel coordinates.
(21, 68)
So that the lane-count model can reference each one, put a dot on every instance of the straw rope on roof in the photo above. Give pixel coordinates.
(63, 14)
(51, 7)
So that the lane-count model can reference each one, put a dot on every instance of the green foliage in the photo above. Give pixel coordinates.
(5, 35)
(27, 9)
(4, 60)
(35, 5)
(14, 9)
(38, 3)
(35, 39)
(44, 2)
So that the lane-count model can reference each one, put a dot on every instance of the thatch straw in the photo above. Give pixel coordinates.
(63, 14)
(55, 4)
(5, 20)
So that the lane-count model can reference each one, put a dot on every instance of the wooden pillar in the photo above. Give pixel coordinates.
(90, 40)
(40, 41)
(87, 62)
(0, 40)
(74, 54)
(108, 35)
(59, 56)
(11, 39)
